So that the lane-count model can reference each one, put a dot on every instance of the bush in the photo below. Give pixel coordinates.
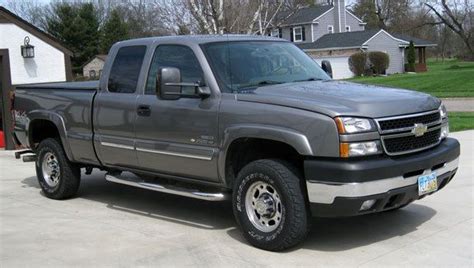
(357, 63)
(411, 57)
(379, 62)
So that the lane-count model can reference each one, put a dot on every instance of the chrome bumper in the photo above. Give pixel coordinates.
(325, 192)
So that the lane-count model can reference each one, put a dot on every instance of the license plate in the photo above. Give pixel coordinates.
(427, 184)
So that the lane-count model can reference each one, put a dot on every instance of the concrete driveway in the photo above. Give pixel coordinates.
(116, 225)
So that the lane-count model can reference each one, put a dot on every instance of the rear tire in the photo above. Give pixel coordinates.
(57, 176)
(269, 205)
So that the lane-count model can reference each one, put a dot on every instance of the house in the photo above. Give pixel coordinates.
(308, 24)
(337, 48)
(27, 55)
(93, 68)
(331, 32)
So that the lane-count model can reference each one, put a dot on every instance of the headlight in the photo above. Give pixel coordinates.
(360, 148)
(348, 125)
(443, 112)
(445, 123)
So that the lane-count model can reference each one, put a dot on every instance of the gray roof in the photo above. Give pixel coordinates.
(340, 40)
(302, 15)
(355, 39)
(416, 41)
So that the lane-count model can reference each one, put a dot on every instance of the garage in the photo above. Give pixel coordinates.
(27, 55)
(340, 66)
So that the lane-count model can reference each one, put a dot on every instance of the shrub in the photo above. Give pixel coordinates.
(379, 62)
(411, 57)
(357, 63)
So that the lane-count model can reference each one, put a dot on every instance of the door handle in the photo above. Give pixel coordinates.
(144, 110)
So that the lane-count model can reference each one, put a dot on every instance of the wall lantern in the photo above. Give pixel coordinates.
(27, 50)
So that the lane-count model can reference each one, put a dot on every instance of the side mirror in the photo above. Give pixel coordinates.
(169, 85)
(326, 65)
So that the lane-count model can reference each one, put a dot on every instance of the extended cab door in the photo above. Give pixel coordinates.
(115, 109)
(177, 137)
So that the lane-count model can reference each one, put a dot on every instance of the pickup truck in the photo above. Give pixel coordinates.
(246, 118)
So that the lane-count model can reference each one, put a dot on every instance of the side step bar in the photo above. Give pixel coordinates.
(169, 189)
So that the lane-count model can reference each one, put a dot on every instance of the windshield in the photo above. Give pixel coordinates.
(241, 66)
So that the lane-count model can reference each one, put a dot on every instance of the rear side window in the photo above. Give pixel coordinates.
(126, 69)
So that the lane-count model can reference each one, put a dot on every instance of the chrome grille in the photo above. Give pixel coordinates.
(408, 122)
(411, 143)
(398, 136)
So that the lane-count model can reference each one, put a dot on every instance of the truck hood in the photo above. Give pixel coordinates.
(335, 98)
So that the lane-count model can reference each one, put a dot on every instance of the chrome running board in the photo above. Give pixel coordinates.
(169, 189)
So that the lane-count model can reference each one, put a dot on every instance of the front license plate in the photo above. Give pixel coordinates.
(427, 184)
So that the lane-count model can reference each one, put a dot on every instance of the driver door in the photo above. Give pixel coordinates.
(177, 137)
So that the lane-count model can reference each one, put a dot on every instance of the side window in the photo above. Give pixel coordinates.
(126, 69)
(177, 56)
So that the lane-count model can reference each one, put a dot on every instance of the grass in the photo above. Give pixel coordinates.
(448, 79)
(461, 121)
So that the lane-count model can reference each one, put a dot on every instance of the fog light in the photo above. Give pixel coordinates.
(367, 204)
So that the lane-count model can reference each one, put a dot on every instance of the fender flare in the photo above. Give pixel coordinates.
(288, 136)
(57, 120)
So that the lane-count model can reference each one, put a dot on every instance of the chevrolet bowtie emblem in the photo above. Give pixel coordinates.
(419, 129)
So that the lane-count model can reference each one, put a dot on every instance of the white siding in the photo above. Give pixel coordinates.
(385, 43)
(47, 66)
(94, 65)
(339, 65)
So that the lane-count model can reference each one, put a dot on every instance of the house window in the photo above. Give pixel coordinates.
(298, 34)
(92, 74)
(330, 29)
(275, 33)
(348, 28)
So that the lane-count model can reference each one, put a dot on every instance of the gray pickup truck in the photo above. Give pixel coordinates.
(246, 118)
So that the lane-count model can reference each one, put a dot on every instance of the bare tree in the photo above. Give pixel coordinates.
(458, 16)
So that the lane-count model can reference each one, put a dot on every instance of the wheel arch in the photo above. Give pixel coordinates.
(46, 124)
(274, 142)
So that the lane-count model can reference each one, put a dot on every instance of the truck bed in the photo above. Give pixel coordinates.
(68, 105)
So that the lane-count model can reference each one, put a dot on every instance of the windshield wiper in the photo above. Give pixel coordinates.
(260, 83)
(309, 79)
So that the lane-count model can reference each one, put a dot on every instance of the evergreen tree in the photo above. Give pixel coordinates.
(115, 29)
(77, 26)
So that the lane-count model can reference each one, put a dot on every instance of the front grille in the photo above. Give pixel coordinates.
(406, 144)
(407, 122)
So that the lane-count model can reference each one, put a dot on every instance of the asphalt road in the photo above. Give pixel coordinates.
(117, 225)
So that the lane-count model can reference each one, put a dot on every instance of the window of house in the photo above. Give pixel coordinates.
(126, 69)
(275, 32)
(330, 29)
(298, 34)
(178, 56)
(92, 74)
(348, 28)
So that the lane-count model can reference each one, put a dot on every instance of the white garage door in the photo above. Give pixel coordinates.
(340, 66)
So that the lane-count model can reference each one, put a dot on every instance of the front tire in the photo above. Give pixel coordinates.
(57, 176)
(269, 205)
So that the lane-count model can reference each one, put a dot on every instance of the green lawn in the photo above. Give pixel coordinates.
(451, 78)
(461, 121)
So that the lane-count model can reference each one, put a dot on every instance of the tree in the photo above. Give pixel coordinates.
(115, 29)
(411, 57)
(77, 26)
(458, 16)
(382, 14)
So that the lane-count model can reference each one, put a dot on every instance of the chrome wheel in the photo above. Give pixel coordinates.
(263, 206)
(50, 169)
